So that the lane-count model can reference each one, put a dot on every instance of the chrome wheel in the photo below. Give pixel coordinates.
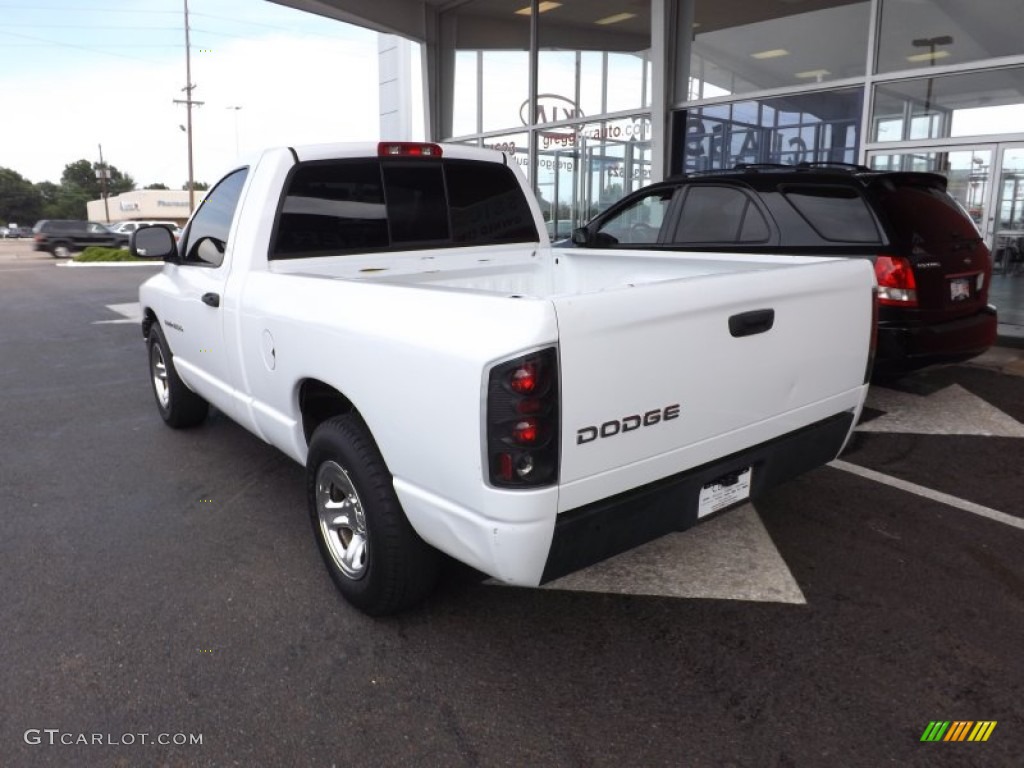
(159, 370)
(62, 252)
(342, 520)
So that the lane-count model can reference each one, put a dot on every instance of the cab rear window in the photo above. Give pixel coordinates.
(838, 214)
(367, 205)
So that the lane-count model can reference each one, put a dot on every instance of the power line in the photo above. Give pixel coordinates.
(72, 45)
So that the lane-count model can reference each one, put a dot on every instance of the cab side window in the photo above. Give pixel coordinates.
(207, 236)
(639, 223)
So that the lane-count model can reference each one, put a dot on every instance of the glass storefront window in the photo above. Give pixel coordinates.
(506, 86)
(516, 145)
(466, 102)
(808, 127)
(584, 168)
(492, 64)
(976, 104)
(593, 62)
(922, 33)
(741, 46)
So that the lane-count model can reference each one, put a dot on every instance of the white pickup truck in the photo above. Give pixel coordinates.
(393, 317)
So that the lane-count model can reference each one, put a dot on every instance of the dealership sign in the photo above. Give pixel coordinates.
(552, 108)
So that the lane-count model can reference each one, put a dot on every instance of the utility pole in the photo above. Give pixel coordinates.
(103, 174)
(189, 103)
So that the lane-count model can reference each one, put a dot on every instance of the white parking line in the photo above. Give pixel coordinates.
(130, 313)
(928, 493)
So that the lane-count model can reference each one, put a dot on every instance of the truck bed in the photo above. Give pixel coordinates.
(525, 273)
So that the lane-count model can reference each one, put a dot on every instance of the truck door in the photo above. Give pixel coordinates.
(194, 311)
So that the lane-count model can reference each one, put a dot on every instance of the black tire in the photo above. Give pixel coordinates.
(384, 566)
(179, 406)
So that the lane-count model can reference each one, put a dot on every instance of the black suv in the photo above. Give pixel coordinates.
(61, 237)
(932, 266)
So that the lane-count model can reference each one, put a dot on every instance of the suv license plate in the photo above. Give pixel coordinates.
(723, 492)
(960, 289)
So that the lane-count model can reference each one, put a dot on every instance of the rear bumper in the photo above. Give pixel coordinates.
(903, 348)
(607, 527)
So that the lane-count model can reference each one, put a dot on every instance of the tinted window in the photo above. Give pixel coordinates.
(207, 236)
(639, 222)
(333, 207)
(414, 193)
(487, 204)
(835, 213)
(926, 217)
(356, 206)
(719, 215)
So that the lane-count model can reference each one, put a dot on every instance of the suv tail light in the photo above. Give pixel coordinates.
(407, 149)
(896, 283)
(522, 421)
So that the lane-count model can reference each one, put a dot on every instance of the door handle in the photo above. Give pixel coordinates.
(751, 323)
(213, 299)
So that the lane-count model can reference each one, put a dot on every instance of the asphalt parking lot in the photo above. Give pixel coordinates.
(167, 583)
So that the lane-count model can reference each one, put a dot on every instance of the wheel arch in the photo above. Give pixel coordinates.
(319, 402)
(148, 321)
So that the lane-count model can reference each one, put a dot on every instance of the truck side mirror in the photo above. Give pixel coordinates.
(581, 236)
(154, 242)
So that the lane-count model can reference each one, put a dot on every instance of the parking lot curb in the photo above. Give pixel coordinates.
(82, 264)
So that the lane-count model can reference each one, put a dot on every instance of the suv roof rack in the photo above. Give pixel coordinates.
(756, 166)
(832, 164)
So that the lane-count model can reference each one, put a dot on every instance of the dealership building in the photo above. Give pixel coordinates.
(141, 205)
(595, 98)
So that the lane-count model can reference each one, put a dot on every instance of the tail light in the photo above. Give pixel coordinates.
(896, 284)
(522, 421)
(407, 149)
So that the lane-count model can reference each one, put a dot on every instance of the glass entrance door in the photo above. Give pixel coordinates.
(1006, 222)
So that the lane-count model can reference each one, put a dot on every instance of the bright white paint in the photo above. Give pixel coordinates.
(410, 339)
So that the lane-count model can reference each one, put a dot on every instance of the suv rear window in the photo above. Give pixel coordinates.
(926, 217)
(359, 206)
(836, 213)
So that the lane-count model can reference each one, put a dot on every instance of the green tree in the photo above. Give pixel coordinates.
(80, 176)
(156, 186)
(60, 203)
(198, 186)
(20, 201)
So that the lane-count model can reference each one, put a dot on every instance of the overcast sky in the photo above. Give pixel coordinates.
(78, 73)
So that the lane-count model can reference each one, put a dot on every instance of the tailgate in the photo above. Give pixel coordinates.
(951, 263)
(647, 370)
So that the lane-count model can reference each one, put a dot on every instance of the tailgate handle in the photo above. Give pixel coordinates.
(751, 323)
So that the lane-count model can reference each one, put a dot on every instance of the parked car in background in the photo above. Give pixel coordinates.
(127, 227)
(931, 263)
(11, 230)
(62, 237)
